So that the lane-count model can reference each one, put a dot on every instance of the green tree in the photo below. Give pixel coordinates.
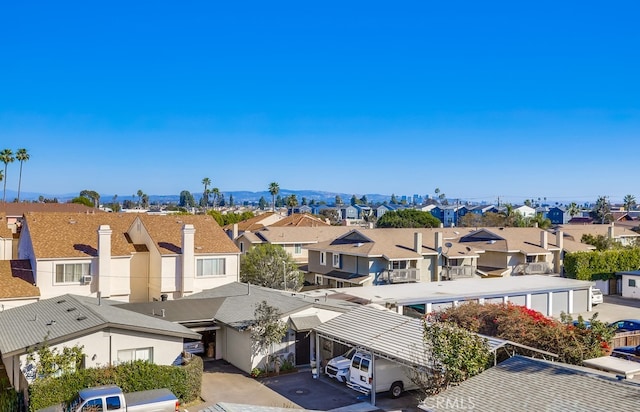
(270, 266)
(541, 221)
(267, 330)
(338, 200)
(262, 203)
(333, 215)
(53, 362)
(364, 200)
(354, 200)
(304, 201)
(279, 201)
(21, 156)
(274, 189)
(601, 211)
(629, 202)
(292, 202)
(601, 242)
(186, 199)
(139, 194)
(573, 209)
(455, 355)
(6, 156)
(231, 202)
(394, 200)
(205, 195)
(115, 205)
(216, 197)
(408, 218)
(83, 201)
(93, 195)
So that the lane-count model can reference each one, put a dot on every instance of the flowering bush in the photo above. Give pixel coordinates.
(572, 343)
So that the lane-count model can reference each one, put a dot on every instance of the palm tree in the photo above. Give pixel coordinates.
(274, 189)
(292, 201)
(140, 193)
(22, 156)
(629, 202)
(216, 196)
(573, 209)
(6, 156)
(206, 182)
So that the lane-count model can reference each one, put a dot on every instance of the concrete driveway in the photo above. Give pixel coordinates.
(613, 309)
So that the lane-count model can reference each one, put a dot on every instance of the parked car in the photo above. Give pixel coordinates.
(627, 325)
(630, 350)
(338, 367)
(111, 398)
(596, 296)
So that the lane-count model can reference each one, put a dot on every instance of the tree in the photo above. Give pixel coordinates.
(230, 200)
(408, 218)
(454, 353)
(93, 195)
(364, 200)
(140, 193)
(145, 200)
(270, 266)
(216, 196)
(267, 330)
(262, 203)
(292, 202)
(573, 209)
(274, 189)
(115, 205)
(205, 195)
(354, 200)
(22, 156)
(601, 242)
(279, 201)
(304, 201)
(601, 210)
(629, 202)
(541, 221)
(83, 200)
(333, 215)
(186, 199)
(338, 200)
(394, 201)
(47, 362)
(6, 156)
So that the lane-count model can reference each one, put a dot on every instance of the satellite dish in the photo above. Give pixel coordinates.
(448, 244)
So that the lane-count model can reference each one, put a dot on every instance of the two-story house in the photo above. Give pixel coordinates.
(126, 257)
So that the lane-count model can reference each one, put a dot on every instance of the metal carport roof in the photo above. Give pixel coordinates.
(385, 333)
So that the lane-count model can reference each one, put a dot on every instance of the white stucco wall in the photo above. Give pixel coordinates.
(630, 291)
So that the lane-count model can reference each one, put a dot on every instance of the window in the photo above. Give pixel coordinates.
(130, 355)
(113, 403)
(336, 260)
(241, 247)
(318, 280)
(297, 248)
(398, 264)
(339, 284)
(632, 283)
(210, 267)
(71, 272)
(323, 258)
(93, 405)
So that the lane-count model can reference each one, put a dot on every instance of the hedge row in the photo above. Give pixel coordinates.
(600, 264)
(183, 381)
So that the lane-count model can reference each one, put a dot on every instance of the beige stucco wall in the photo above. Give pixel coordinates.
(493, 259)
(237, 349)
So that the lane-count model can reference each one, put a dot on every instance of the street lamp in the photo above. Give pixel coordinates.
(284, 275)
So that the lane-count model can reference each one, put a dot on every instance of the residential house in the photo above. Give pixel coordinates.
(8, 239)
(384, 208)
(17, 285)
(483, 209)
(300, 220)
(233, 309)
(14, 212)
(617, 232)
(107, 334)
(525, 211)
(251, 225)
(365, 257)
(127, 257)
(521, 383)
(291, 238)
(449, 215)
(558, 215)
(349, 213)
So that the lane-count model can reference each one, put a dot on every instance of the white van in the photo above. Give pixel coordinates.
(390, 376)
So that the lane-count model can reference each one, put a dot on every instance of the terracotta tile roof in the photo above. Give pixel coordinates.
(18, 209)
(75, 235)
(16, 280)
(166, 232)
(300, 220)
(5, 232)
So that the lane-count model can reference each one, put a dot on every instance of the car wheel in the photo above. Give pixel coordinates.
(396, 389)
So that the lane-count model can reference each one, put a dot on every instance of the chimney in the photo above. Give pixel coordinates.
(234, 234)
(104, 260)
(560, 239)
(544, 240)
(417, 242)
(188, 258)
(611, 231)
(162, 311)
(99, 298)
(559, 266)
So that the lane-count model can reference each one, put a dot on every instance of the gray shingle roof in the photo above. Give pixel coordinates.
(525, 384)
(68, 316)
(181, 310)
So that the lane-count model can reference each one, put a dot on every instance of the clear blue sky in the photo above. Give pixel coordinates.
(481, 99)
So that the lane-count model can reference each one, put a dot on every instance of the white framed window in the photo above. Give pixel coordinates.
(318, 280)
(241, 247)
(398, 264)
(130, 355)
(336, 260)
(340, 284)
(210, 267)
(323, 258)
(72, 272)
(297, 248)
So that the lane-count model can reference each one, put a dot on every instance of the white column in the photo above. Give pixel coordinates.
(570, 308)
(188, 258)
(104, 260)
(527, 300)
(550, 304)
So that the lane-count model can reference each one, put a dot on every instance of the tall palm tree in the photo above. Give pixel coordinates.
(274, 189)
(206, 182)
(22, 156)
(140, 193)
(629, 202)
(6, 156)
(573, 209)
(216, 196)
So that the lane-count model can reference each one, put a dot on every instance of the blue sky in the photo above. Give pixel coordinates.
(481, 99)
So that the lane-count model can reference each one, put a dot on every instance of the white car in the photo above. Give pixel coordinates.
(596, 296)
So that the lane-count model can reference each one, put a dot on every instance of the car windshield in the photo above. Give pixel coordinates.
(350, 353)
(73, 404)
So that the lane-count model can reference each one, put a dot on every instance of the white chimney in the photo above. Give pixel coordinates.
(234, 233)
(611, 231)
(188, 258)
(417, 242)
(544, 240)
(104, 260)
(439, 242)
(559, 264)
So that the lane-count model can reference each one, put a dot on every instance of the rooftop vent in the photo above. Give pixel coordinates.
(72, 221)
(71, 309)
(81, 317)
(61, 301)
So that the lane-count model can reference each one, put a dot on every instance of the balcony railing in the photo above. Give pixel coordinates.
(457, 272)
(403, 275)
(533, 268)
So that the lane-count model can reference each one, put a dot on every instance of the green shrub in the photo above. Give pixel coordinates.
(183, 381)
(595, 264)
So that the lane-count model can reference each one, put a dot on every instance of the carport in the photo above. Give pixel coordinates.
(382, 333)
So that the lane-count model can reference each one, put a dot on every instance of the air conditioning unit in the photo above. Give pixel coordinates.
(85, 280)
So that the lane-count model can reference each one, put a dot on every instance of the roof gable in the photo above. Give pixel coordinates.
(481, 235)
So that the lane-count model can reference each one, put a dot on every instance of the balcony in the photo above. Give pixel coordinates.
(534, 268)
(403, 275)
(458, 272)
